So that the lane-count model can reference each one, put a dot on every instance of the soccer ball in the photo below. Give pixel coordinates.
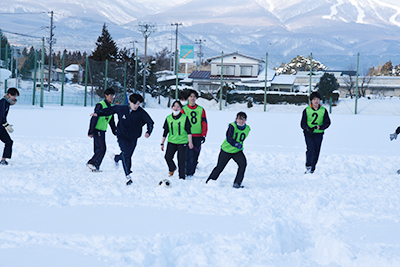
(165, 183)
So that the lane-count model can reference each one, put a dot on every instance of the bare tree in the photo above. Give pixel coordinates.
(364, 81)
(350, 84)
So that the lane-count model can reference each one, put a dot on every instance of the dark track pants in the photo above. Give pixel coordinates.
(6, 139)
(169, 158)
(313, 142)
(99, 145)
(192, 156)
(223, 159)
(127, 147)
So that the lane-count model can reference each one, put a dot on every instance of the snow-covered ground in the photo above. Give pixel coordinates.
(54, 212)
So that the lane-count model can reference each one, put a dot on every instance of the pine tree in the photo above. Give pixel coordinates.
(327, 84)
(29, 62)
(4, 43)
(106, 47)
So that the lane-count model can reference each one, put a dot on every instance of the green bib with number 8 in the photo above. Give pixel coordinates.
(194, 118)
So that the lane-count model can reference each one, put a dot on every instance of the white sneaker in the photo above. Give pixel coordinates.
(91, 166)
(308, 170)
(116, 163)
(128, 177)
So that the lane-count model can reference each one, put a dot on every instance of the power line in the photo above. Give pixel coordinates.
(21, 34)
(24, 13)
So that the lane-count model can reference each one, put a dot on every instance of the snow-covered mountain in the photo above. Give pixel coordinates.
(333, 30)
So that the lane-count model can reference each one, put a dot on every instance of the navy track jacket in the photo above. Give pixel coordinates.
(4, 107)
(130, 122)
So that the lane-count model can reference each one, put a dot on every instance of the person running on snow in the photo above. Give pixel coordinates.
(315, 120)
(131, 119)
(198, 121)
(232, 148)
(393, 136)
(8, 100)
(98, 128)
(177, 127)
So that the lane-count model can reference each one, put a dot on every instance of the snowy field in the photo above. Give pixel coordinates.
(54, 212)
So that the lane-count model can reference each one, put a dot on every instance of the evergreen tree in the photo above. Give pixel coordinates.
(4, 43)
(327, 84)
(29, 62)
(105, 47)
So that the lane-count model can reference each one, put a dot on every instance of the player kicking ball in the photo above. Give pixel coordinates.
(232, 148)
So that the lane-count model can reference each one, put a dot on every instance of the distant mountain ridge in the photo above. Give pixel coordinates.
(329, 29)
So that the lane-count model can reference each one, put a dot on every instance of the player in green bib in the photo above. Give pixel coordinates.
(232, 148)
(314, 121)
(177, 128)
(98, 128)
(199, 127)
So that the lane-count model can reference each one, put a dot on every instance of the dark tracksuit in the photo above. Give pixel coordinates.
(192, 155)
(99, 136)
(225, 157)
(313, 140)
(129, 129)
(172, 148)
(4, 136)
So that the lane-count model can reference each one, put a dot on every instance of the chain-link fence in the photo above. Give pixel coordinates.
(83, 83)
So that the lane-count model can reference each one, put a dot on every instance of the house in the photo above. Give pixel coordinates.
(201, 80)
(235, 66)
(167, 77)
(56, 73)
(76, 70)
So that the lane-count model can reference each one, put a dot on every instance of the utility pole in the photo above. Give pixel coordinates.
(176, 58)
(358, 63)
(136, 68)
(309, 89)
(51, 41)
(146, 29)
(200, 55)
(133, 43)
(171, 60)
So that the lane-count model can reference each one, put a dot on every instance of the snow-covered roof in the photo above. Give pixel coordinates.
(73, 67)
(255, 85)
(165, 72)
(284, 79)
(235, 54)
(270, 75)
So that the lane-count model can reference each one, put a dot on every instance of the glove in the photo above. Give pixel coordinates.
(238, 145)
(393, 136)
(8, 127)
(203, 139)
(310, 130)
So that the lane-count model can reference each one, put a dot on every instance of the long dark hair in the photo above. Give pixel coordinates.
(177, 101)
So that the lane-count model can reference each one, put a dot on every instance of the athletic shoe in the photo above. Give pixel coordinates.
(116, 163)
(171, 173)
(308, 170)
(91, 166)
(128, 177)
(3, 162)
(235, 185)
